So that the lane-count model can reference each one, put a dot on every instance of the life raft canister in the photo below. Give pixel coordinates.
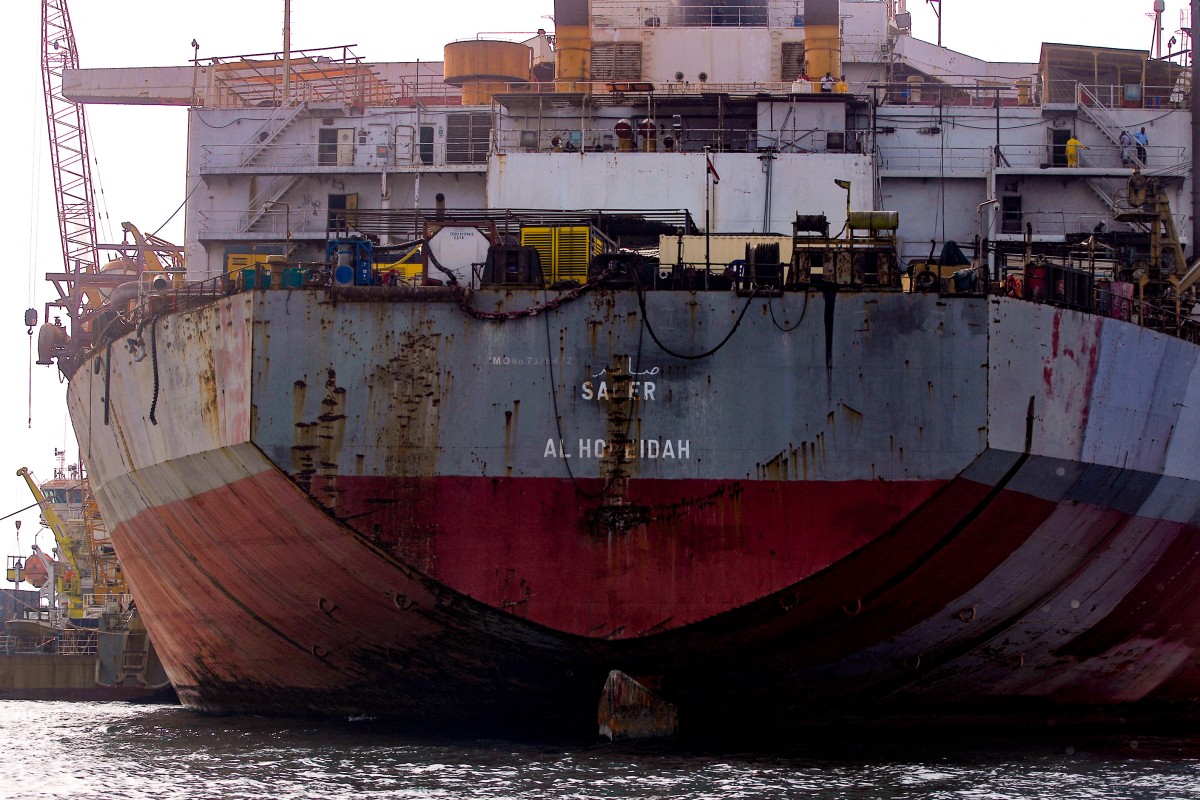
(37, 572)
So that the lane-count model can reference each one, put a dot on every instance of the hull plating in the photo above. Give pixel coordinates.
(863, 508)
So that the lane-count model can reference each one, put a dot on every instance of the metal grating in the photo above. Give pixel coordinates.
(616, 61)
(468, 137)
(791, 60)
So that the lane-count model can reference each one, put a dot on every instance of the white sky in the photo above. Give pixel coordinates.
(138, 153)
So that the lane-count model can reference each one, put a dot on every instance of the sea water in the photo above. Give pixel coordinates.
(115, 751)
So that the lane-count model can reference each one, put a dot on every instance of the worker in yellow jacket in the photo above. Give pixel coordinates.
(1073, 148)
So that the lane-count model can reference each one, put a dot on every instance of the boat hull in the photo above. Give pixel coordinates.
(877, 508)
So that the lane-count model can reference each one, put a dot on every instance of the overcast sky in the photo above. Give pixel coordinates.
(138, 153)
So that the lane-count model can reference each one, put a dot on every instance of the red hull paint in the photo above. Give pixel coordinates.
(523, 545)
(886, 632)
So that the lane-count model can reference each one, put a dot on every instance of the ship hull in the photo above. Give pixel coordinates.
(877, 509)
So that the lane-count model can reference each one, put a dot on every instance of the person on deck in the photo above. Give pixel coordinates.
(1142, 140)
(827, 83)
(842, 87)
(1126, 142)
(1073, 148)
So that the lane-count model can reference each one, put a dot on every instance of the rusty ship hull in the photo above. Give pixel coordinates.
(864, 507)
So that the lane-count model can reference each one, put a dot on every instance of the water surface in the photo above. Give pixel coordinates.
(117, 751)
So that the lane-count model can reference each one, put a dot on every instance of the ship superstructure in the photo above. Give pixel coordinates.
(801, 370)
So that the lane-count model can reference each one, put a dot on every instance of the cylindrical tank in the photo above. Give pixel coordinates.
(874, 220)
(915, 82)
(822, 38)
(1023, 87)
(572, 45)
(484, 68)
(118, 266)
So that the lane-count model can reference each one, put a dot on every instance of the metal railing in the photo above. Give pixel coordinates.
(968, 93)
(930, 159)
(1161, 160)
(327, 75)
(559, 135)
(713, 14)
(1132, 95)
(69, 642)
(1077, 289)
(283, 157)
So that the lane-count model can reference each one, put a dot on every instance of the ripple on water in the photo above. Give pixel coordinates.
(118, 751)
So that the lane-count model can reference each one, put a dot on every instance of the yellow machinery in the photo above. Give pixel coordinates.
(87, 553)
(1151, 207)
(235, 263)
(155, 253)
(565, 250)
(407, 268)
(69, 584)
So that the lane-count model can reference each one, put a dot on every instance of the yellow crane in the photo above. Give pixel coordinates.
(69, 584)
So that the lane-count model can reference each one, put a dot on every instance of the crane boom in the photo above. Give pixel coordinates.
(84, 285)
(53, 521)
(71, 165)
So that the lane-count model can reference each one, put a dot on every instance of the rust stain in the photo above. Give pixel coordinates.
(330, 429)
(512, 419)
(210, 413)
(854, 418)
(298, 394)
(408, 414)
(775, 468)
(615, 461)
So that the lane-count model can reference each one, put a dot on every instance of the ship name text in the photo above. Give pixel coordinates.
(646, 449)
(621, 385)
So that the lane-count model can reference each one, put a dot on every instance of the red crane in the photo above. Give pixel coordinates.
(70, 163)
(83, 284)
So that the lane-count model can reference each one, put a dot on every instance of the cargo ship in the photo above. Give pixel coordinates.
(77, 635)
(795, 371)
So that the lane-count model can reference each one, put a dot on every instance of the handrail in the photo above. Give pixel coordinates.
(1094, 110)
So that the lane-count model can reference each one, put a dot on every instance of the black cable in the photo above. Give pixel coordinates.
(19, 510)
(650, 328)
(176, 211)
(154, 364)
(803, 311)
(433, 260)
(107, 378)
(557, 418)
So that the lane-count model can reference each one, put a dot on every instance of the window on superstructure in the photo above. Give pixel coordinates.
(1010, 214)
(335, 147)
(327, 147)
(616, 61)
(426, 144)
(342, 219)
